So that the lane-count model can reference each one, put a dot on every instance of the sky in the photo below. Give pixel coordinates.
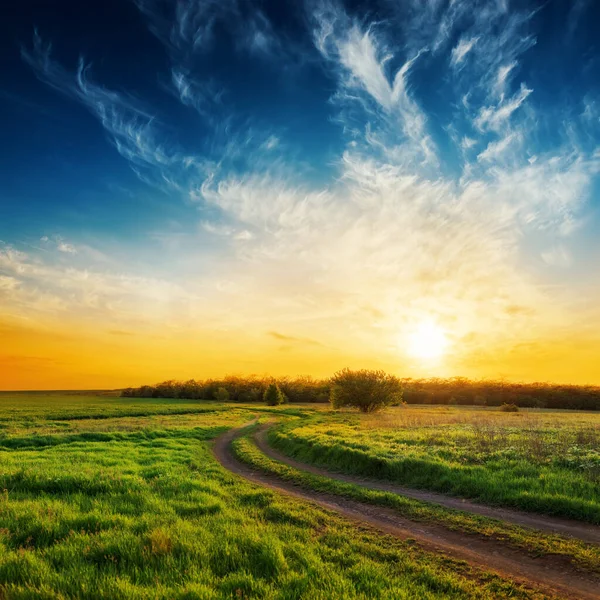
(193, 188)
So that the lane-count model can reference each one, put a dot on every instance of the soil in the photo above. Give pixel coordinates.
(553, 575)
(585, 532)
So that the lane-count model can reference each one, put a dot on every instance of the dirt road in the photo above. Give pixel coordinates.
(565, 527)
(552, 575)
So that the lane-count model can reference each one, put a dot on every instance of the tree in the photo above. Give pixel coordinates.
(222, 395)
(273, 395)
(366, 390)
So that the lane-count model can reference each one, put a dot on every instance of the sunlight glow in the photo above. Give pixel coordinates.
(427, 341)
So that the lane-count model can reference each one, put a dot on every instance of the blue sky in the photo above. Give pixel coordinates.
(443, 155)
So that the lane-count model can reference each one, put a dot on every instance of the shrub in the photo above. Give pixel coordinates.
(366, 390)
(509, 408)
(480, 400)
(457, 390)
(273, 395)
(221, 394)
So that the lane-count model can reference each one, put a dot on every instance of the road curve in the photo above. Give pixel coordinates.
(553, 575)
(586, 532)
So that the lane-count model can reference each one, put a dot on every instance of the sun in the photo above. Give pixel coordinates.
(427, 341)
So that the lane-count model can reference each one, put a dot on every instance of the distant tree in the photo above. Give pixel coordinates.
(480, 400)
(364, 389)
(273, 395)
(456, 390)
(221, 394)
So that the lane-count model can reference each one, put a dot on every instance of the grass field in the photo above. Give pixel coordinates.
(540, 461)
(122, 498)
(583, 555)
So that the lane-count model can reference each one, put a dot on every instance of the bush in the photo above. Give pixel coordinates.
(221, 394)
(480, 400)
(366, 390)
(509, 408)
(457, 390)
(273, 395)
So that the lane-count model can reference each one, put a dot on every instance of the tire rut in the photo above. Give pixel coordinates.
(550, 574)
(586, 532)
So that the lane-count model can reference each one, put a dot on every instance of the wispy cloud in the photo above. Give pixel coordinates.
(495, 150)
(58, 242)
(130, 128)
(502, 79)
(67, 248)
(557, 257)
(429, 213)
(205, 97)
(361, 57)
(44, 286)
(187, 27)
(495, 117)
(460, 51)
(184, 25)
(292, 339)
(578, 8)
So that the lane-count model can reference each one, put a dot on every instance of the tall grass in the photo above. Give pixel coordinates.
(549, 464)
(583, 555)
(143, 512)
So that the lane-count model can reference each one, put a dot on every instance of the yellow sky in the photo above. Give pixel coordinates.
(427, 224)
(305, 298)
(35, 357)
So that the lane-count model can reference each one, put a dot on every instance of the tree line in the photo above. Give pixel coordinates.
(455, 390)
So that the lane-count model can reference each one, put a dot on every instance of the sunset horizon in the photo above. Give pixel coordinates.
(300, 299)
(194, 190)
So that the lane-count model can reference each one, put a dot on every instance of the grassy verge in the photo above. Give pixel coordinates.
(539, 462)
(25, 417)
(583, 556)
(159, 518)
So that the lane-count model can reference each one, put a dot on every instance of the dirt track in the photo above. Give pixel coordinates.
(565, 527)
(552, 575)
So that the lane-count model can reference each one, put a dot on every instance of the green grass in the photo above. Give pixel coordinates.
(140, 509)
(546, 462)
(42, 414)
(582, 555)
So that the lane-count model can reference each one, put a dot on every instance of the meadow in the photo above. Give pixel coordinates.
(105, 497)
(534, 460)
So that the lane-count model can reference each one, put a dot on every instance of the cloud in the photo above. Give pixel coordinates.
(58, 242)
(205, 97)
(360, 58)
(460, 51)
(429, 213)
(187, 27)
(502, 79)
(67, 248)
(227, 231)
(557, 257)
(130, 128)
(591, 111)
(495, 117)
(364, 63)
(467, 143)
(292, 339)
(271, 143)
(39, 287)
(8, 284)
(495, 150)
(578, 8)
(184, 25)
